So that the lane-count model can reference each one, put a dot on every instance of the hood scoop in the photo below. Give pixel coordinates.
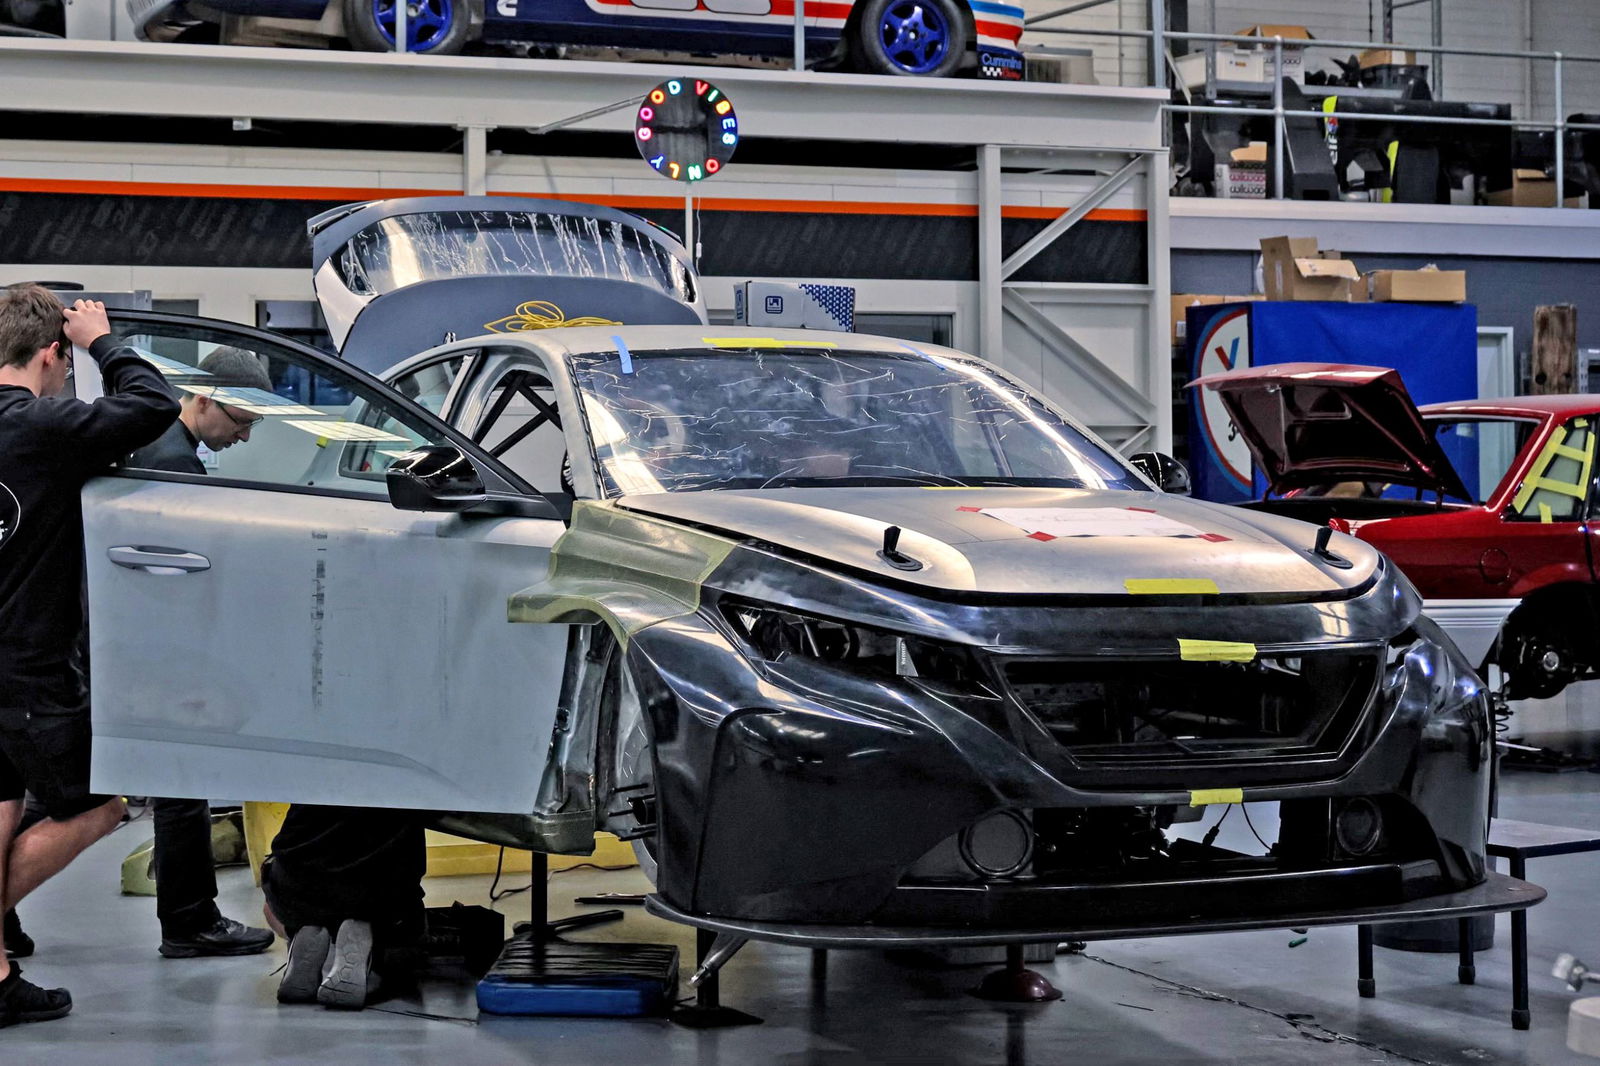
(891, 553)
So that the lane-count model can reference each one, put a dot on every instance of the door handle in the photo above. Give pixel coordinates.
(158, 560)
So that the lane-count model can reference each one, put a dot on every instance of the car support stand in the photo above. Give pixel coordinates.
(1016, 983)
(539, 973)
(707, 1012)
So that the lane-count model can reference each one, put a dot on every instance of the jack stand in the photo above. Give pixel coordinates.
(545, 930)
(1016, 983)
(539, 972)
(707, 1011)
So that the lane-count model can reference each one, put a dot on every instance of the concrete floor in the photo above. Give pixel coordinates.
(1239, 998)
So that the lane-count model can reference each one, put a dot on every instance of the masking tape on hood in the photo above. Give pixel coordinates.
(1170, 586)
(1215, 651)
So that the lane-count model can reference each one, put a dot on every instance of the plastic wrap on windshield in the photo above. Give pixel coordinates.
(408, 249)
(685, 420)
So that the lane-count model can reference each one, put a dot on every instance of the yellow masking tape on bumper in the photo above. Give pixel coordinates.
(1215, 651)
(1170, 586)
(1204, 796)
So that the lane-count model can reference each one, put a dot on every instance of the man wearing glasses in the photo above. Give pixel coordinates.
(205, 417)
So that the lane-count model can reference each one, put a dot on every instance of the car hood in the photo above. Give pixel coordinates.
(1035, 541)
(1314, 423)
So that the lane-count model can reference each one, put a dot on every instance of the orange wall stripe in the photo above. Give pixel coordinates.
(336, 194)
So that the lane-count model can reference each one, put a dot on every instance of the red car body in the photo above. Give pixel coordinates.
(1507, 565)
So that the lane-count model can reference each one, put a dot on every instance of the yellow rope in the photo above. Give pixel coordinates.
(542, 314)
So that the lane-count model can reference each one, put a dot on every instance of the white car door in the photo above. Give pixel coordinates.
(274, 629)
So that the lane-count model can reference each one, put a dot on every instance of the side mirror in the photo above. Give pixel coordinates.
(434, 477)
(1168, 474)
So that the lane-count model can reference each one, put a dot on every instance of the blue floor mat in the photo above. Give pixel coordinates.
(593, 979)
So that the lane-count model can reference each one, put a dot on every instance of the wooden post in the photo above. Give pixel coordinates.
(1553, 368)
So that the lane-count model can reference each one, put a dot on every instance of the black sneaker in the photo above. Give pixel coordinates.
(24, 1001)
(347, 976)
(308, 950)
(19, 945)
(226, 937)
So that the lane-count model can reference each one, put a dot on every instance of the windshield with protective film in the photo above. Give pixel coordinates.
(408, 249)
(675, 421)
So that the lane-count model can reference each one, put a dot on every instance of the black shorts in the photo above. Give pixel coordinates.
(44, 746)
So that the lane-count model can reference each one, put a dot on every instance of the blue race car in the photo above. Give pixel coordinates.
(935, 38)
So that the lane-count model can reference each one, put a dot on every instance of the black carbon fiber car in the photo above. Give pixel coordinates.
(860, 641)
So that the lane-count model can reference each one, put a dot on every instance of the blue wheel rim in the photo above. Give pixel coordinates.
(428, 22)
(914, 35)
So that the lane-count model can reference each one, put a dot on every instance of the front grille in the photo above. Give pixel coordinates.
(1137, 713)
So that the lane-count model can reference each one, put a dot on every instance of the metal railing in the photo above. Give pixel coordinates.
(1280, 115)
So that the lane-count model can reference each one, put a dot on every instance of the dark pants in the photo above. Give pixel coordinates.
(186, 879)
(332, 863)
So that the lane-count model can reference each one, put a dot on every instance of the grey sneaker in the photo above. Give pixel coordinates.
(308, 952)
(347, 977)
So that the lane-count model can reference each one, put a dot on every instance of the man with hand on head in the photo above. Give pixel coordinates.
(50, 445)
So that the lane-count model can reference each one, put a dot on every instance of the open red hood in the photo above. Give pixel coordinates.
(1313, 423)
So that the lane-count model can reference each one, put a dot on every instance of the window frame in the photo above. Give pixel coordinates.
(491, 470)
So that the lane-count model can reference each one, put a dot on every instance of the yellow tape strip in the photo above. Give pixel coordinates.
(1580, 423)
(1215, 651)
(1170, 586)
(1544, 513)
(1203, 796)
(763, 342)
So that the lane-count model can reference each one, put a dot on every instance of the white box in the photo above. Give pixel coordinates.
(1233, 65)
(1241, 181)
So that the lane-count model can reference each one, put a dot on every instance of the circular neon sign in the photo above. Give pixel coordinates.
(686, 129)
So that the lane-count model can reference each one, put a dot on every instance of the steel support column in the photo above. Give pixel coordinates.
(991, 337)
(475, 160)
(1158, 250)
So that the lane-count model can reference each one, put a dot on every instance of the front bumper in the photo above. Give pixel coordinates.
(812, 795)
(1496, 894)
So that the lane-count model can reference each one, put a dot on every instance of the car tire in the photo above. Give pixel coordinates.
(435, 27)
(911, 38)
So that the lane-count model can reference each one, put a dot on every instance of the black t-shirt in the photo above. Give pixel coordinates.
(174, 450)
(49, 446)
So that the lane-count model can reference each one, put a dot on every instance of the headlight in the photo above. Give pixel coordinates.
(775, 635)
(1433, 682)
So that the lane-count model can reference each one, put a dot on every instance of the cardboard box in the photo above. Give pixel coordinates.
(1182, 301)
(1293, 269)
(1294, 57)
(1529, 188)
(1388, 57)
(1428, 285)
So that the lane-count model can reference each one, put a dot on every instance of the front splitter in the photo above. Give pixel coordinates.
(1498, 893)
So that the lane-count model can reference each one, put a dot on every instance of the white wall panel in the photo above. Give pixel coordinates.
(1572, 28)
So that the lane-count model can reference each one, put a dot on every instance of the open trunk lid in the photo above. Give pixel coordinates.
(396, 277)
